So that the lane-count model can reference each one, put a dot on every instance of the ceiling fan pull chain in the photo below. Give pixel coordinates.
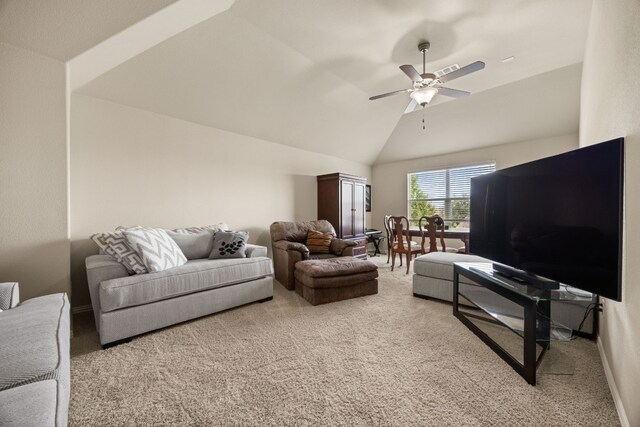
(423, 126)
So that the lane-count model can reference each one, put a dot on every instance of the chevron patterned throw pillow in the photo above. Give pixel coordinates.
(158, 251)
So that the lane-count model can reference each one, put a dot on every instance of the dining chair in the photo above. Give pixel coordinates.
(389, 238)
(401, 242)
(389, 229)
(432, 227)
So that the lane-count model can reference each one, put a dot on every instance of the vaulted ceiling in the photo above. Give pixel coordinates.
(62, 29)
(300, 72)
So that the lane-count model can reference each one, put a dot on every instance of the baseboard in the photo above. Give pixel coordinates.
(81, 309)
(624, 421)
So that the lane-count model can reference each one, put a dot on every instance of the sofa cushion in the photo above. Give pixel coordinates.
(321, 256)
(229, 244)
(194, 276)
(334, 273)
(341, 266)
(439, 265)
(193, 245)
(158, 251)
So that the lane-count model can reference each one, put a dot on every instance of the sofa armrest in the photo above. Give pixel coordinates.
(342, 247)
(254, 251)
(99, 269)
(285, 256)
(292, 246)
(9, 295)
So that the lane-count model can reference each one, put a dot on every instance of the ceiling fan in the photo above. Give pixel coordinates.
(427, 85)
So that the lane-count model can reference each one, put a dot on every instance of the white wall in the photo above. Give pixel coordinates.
(34, 245)
(610, 108)
(130, 166)
(389, 187)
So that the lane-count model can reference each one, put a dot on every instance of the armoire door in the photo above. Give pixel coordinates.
(346, 209)
(358, 209)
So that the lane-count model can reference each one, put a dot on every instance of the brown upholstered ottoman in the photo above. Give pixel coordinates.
(335, 279)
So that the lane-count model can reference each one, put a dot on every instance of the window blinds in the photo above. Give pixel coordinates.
(445, 192)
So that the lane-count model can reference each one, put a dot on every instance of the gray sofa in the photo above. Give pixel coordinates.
(433, 278)
(34, 359)
(125, 306)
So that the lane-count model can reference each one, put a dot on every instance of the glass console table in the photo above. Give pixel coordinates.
(513, 318)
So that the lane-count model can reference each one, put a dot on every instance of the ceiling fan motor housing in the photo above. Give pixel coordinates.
(428, 78)
(424, 46)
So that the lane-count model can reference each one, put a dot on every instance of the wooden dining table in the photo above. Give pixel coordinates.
(455, 233)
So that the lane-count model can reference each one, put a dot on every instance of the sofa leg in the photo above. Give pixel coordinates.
(265, 299)
(115, 343)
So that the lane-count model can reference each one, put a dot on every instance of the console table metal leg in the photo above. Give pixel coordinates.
(455, 293)
(544, 323)
(529, 356)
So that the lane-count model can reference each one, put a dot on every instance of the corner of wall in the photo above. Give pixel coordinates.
(613, 387)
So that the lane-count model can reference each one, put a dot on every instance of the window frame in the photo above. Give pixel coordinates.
(444, 200)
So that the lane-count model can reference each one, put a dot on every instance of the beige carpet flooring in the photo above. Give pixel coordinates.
(385, 359)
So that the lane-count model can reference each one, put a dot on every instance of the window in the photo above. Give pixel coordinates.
(444, 192)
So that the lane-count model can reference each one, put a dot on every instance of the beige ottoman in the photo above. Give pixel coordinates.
(335, 279)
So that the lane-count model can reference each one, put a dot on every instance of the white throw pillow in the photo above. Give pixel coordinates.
(158, 251)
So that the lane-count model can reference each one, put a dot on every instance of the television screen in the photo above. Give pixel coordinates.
(559, 217)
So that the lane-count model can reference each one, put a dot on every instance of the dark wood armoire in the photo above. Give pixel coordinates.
(341, 201)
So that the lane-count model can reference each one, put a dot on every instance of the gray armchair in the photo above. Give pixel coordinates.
(34, 359)
(288, 243)
(9, 295)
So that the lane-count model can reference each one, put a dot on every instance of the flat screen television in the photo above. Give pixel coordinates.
(559, 217)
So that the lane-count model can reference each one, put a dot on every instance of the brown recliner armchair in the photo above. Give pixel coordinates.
(288, 242)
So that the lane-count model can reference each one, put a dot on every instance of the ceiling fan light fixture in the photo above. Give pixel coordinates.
(424, 96)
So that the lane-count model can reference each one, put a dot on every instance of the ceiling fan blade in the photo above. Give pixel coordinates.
(468, 69)
(412, 106)
(454, 93)
(384, 95)
(410, 71)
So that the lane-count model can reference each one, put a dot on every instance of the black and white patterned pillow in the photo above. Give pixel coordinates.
(157, 250)
(229, 244)
(117, 246)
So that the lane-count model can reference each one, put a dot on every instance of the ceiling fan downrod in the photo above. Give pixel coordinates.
(424, 47)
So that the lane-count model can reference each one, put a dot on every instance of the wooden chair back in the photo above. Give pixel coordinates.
(399, 226)
(401, 240)
(389, 232)
(432, 227)
(389, 229)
